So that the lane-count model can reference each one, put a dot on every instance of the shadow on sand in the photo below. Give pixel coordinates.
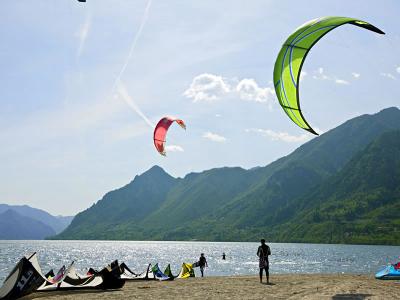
(270, 283)
(350, 296)
(39, 295)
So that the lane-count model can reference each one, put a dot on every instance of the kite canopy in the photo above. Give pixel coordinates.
(160, 132)
(291, 57)
(186, 271)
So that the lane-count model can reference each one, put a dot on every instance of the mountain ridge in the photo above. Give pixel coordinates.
(228, 203)
(57, 223)
(14, 226)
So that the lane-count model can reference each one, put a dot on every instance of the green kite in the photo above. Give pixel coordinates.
(291, 57)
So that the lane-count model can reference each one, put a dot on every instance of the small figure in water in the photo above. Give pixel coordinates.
(223, 255)
(202, 264)
(262, 253)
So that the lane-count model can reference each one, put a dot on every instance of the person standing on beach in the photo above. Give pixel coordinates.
(223, 256)
(262, 253)
(202, 264)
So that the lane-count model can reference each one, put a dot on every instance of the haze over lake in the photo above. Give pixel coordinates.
(241, 257)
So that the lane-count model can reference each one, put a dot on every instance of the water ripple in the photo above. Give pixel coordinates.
(241, 257)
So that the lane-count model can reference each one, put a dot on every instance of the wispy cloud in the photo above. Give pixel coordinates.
(207, 87)
(320, 74)
(83, 33)
(46, 126)
(133, 45)
(123, 92)
(398, 69)
(214, 137)
(129, 131)
(356, 75)
(342, 81)
(281, 136)
(174, 148)
(388, 75)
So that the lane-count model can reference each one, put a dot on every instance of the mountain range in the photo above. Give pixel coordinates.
(340, 187)
(25, 222)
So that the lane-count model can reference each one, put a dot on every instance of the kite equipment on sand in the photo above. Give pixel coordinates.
(160, 132)
(291, 57)
(389, 272)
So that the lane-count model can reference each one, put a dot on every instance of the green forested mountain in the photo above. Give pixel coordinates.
(276, 201)
(359, 204)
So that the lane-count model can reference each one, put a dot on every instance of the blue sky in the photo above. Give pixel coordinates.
(82, 83)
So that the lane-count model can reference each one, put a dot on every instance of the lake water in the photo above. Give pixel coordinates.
(241, 258)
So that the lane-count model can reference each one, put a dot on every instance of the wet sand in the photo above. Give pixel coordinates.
(246, 287)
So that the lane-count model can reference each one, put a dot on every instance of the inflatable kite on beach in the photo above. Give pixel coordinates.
(291, 58)
(160, 132)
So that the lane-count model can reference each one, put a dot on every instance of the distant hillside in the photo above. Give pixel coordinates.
(233, 203)
(14, 226)
(58, 223)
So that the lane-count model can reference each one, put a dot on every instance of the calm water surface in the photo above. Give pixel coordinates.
(241, 257)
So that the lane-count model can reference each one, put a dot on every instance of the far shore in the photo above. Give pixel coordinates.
(315, 286)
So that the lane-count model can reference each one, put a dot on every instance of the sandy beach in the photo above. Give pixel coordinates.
(246, 287)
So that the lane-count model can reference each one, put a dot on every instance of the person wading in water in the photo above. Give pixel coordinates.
(262, 253)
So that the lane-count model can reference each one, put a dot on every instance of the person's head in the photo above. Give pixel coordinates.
(262, 242)
(202, 254)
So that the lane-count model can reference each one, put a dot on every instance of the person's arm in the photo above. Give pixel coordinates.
(206, 263)
(258, 251)
(269, 250)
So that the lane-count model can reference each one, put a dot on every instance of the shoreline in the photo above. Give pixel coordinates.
(296, 286)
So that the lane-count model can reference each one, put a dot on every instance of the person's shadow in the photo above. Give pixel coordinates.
(270, 283)
(350, 296)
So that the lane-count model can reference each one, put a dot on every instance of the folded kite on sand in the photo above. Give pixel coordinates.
(389, 272)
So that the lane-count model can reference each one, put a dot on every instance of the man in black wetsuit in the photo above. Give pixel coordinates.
(202, 264)
(262, 253)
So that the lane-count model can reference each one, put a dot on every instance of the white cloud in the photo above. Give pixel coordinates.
(356, 75)
(398, 69)
(281, 136)
(388, 75)
(249, 90)
(207, 87)
(341, 81)
(214, 137)
(174, 148)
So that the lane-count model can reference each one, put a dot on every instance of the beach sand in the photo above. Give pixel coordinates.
(246, 287)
